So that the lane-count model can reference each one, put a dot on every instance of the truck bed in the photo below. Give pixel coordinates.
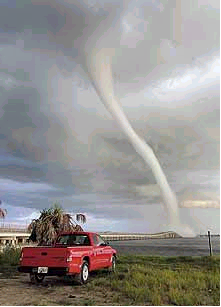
(49, 256)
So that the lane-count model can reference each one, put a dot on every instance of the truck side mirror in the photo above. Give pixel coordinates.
(102, 244)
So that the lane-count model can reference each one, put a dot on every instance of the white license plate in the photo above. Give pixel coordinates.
(42, 269)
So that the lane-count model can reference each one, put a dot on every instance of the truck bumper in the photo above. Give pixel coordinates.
(51, 271)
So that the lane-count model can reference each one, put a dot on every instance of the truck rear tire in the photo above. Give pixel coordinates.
(82, 277)
(36, 278)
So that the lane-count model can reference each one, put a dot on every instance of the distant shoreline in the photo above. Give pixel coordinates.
(206, 235)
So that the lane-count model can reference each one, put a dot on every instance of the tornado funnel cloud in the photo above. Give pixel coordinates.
(99, 64)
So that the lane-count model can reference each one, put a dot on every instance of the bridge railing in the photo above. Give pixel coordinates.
(126, 237)
(13, 228)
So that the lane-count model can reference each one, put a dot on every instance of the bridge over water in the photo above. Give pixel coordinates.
(13, 234)
(18, 234)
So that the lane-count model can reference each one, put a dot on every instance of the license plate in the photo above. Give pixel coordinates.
(42, 269)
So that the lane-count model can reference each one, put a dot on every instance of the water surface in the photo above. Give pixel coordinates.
(168, 247)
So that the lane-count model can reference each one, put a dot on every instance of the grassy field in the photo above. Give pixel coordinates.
(148, 280)
(143, 280)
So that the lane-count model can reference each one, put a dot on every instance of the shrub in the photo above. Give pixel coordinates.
(10, 256)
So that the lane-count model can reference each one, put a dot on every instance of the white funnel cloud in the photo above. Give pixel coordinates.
(99, 66)
(100, 72)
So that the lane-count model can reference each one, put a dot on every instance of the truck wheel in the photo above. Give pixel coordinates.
(36, 278)
(82, 278)
(112, 268)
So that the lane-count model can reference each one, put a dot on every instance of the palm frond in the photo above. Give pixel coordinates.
(81, 218)
(3, 213)
(78, 228)
(32, 225)
(51, 222)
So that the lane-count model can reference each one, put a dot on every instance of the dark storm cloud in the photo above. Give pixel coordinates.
(23, 15)
(29, 16)
(70, 143)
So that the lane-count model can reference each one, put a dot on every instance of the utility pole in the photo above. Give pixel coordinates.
(210, 246)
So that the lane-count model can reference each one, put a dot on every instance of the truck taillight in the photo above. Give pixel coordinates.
(69, 259)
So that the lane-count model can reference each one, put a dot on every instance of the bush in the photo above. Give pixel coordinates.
(10, 256)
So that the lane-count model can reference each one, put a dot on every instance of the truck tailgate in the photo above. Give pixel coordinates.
(44, 256)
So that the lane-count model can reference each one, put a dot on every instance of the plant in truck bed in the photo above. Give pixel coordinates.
(51, 222)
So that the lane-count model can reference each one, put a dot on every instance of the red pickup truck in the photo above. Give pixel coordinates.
(74, 254)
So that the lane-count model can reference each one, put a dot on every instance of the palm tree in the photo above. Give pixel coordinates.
(3, 212)
(51, 222)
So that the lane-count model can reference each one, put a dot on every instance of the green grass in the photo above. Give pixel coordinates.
(143, 280)
(149, 280)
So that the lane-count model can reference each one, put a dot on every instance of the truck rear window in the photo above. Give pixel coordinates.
(73, 240)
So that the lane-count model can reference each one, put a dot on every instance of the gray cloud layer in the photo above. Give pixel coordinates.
(55, 133)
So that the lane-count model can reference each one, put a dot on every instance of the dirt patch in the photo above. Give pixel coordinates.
(17, 290)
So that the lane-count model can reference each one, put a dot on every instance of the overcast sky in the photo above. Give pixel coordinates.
(57, 140)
